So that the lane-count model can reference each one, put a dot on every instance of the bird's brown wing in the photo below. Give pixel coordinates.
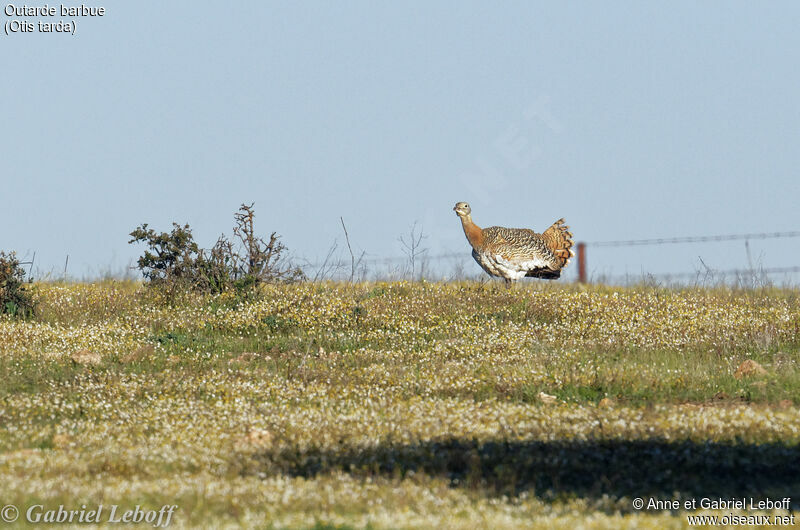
(520, 248)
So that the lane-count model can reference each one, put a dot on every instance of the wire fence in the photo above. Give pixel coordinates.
(434, 265)
(704, 274)
(693, 239)
(752, 276)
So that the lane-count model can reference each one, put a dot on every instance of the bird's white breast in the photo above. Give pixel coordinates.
(497, 265)
(517, 269)
(486, 262)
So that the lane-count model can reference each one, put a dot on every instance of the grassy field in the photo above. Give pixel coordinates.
(402, 405)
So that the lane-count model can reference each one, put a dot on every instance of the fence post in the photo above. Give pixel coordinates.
(582, 262)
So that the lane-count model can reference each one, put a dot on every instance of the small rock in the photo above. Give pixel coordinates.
(248, 356)
(255, 439)
(547, 398)
(244, 357)
(138, 354)
(61, 441)
(86, 357)
(22, 453)
(606, 402)
(785, 403)
(749, 368)
(259, 436)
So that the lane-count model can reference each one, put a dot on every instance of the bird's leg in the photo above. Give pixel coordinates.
(508, 283)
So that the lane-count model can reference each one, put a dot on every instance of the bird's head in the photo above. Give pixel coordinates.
(462, 209)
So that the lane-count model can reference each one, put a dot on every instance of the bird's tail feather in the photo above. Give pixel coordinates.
(559, 239)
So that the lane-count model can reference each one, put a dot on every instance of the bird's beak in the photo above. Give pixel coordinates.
(454, 208)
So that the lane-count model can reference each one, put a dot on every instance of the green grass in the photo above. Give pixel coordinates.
(400, 405)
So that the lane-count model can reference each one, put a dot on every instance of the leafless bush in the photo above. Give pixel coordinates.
(354, 264)
(412, 248)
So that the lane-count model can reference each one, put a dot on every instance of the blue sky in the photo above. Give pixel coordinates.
(631, 120)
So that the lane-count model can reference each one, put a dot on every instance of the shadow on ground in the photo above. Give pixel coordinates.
(552, 470)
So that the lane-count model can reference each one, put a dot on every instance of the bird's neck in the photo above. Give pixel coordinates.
(472, 231)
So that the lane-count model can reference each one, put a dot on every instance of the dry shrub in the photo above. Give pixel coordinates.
(175, 262)
(15, 299)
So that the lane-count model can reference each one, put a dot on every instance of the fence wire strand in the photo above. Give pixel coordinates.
(629, 243)
(693, 239)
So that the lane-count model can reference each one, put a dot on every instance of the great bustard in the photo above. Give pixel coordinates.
(513, 253)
